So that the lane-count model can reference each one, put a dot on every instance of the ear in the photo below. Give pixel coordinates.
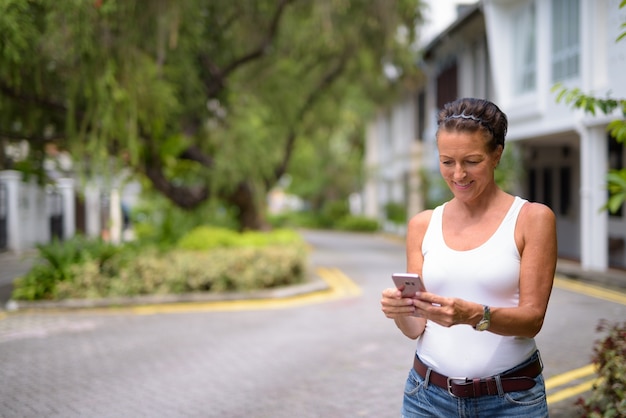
(498, 155)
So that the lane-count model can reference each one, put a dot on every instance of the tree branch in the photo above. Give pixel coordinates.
(24, 98)
(34, 139)
(261, 49)
(185, 197)
(329, 78)
(219, 75)
(194, 153)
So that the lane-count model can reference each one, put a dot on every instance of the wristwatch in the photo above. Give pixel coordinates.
(484, 323)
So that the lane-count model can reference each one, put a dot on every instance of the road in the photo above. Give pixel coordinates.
(329, 354)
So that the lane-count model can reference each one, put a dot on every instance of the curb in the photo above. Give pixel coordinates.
(313, 285)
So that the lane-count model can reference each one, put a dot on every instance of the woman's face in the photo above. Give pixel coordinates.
(466, 164)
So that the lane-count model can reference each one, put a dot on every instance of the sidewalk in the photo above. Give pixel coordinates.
(612, 278)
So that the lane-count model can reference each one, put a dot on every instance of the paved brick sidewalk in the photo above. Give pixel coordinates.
(340, 358)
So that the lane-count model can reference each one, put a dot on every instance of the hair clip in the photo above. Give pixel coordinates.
(471, 117)
(464, 116)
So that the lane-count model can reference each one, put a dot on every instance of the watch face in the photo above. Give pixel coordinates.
(482, 325)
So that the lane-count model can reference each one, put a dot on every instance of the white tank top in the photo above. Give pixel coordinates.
(489, 275)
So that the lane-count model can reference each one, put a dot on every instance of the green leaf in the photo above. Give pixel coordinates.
(617, 177)
(615, 202)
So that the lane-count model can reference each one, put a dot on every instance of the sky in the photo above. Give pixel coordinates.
(438, 15)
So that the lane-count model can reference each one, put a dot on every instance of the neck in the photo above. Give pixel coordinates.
(478, 207)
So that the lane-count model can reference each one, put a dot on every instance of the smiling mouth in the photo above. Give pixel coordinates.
(463, 186)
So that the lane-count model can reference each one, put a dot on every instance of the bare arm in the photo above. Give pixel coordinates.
(536, 238)
(400, 309)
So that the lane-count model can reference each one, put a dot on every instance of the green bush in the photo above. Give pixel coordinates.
(396, 213)
(608, 397)
(183, 271)
(275, 237)
(299, 219)
(335, 217)
(209, 259)
(156, 221)
(57, 262)
(332, 212)
(357, 223)
(40, 283)
(207, 238)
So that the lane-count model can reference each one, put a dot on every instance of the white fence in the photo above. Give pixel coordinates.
(31, 214)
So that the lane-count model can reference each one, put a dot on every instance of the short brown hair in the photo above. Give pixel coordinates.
(470, 115)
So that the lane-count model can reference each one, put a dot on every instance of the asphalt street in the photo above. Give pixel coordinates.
(327, 354)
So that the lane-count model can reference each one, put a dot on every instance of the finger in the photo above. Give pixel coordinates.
(396, 312)
(392, 293)
(430, 298)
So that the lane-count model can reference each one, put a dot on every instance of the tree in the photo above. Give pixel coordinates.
(616, 179)
(205, 98)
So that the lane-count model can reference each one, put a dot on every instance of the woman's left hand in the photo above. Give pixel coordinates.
(446, 311)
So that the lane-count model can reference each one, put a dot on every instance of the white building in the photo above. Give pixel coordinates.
(513, 52)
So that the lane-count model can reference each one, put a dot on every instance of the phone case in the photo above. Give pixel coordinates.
(412, 283)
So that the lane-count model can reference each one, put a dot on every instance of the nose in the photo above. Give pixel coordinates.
(459, 172)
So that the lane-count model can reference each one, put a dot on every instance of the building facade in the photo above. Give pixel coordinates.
(514, 52)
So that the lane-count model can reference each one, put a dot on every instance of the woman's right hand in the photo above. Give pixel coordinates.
(394, 305)
(402, 311)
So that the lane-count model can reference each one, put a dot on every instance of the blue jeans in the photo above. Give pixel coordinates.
(423, 399)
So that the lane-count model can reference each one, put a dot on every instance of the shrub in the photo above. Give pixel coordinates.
(396, 213)
(183, 271)
(230, 262)
(608, 397)
(57, 265)
(301, 219)
(40, 283)
(357, 223)
(207, 238)
(332, 211)
(158, 222)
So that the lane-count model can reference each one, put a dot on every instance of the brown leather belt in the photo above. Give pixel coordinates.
(522, 379)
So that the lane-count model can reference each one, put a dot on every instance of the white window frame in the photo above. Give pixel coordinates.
(566, 39)
(524, 25)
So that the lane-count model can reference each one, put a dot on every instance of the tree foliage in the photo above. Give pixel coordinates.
(204, 98)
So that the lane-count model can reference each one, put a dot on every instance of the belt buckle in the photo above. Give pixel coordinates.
(449, 384)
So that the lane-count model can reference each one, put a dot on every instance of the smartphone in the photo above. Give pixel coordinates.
(412, 283)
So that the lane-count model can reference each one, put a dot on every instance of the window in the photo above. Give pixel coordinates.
(565, 39)
(525, 50)
(447, 86)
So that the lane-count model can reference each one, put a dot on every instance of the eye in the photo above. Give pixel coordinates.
(447, 162)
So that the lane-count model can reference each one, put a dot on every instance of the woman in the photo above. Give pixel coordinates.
(487, 259)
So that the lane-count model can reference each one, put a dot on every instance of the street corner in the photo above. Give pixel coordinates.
(328, 284)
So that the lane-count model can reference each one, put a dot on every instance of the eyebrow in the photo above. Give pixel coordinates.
(465, 156)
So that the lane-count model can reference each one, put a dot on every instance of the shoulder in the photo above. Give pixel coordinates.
(537, 222)
(417, 226)
(421, 220)
(536, 212)
(416, 230)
